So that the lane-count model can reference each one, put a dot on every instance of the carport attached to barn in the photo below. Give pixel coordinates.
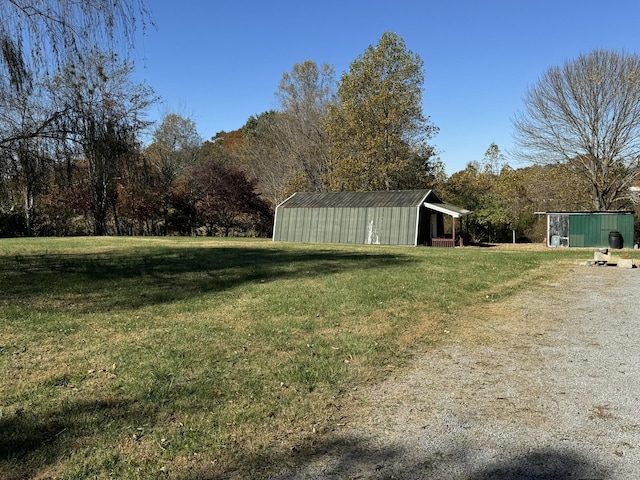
(400, 217)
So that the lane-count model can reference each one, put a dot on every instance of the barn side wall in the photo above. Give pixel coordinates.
(379, 225)
(593, 230)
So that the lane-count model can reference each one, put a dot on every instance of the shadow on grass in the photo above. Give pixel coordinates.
(355, 458)
(136, 278)
(31, 443)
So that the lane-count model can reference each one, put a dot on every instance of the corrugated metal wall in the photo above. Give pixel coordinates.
(592, 230)
(374, 225)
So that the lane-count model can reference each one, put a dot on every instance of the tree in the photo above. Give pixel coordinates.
(45, 34)
(27, 110)
(37, 37)
(66, 208)
(494, 160)
(176, 146)
(225, 200)
(513, 192)
(29, 131)
(139, 198)
(377, 129)
(305, 93)
(475, 190)
(224, 147)
(264, 159)
(106, 117)
(586, 116)
(28, 122)
(490, 188)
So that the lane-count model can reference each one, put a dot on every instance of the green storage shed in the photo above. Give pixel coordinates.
(589, 229)
(400, 217)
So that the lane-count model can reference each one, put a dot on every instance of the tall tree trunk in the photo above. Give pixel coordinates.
(116, 219)
(29, 210)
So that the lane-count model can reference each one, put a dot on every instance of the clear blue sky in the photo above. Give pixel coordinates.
(219, 62)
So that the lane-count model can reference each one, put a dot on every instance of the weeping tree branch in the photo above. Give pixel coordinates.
(47, 128)
(48, 33)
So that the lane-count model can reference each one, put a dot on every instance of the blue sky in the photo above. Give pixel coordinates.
(220, 62)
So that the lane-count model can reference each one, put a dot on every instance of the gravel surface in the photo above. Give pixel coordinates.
(554, 394)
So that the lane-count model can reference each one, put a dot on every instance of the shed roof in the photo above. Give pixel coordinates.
(390, 198)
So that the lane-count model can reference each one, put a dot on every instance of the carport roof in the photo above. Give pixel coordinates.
(448, 209)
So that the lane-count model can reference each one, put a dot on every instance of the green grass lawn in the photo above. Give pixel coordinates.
(193, 358)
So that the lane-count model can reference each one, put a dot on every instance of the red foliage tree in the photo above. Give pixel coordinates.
(226, 201)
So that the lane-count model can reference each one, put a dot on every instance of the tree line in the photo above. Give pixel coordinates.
(73, 160)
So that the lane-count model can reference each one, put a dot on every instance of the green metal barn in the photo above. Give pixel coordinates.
(589, 229)
(400, 217)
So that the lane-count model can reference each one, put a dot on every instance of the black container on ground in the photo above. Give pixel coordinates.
(615, 240)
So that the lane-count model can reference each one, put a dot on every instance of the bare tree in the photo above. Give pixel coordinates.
(106, 117)
(267, 159)
(37, 37)
(586, 115)
(29, 132)
(305, 94)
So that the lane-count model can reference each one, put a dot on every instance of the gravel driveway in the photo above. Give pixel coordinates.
(552, 392)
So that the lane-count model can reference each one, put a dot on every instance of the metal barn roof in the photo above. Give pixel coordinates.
(391, 198)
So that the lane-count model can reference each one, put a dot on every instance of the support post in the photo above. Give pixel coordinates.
(453, 229)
